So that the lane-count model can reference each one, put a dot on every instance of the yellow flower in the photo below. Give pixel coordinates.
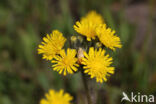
(51, 45)
(86, 28)
(65, 63)
(97, 64)
(54, 97)
(88, 24)
(107, 37)
(93, 17)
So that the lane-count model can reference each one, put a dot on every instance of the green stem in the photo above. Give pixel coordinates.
(85, 82)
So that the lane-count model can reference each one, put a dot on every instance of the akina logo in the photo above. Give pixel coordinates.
(137, 97)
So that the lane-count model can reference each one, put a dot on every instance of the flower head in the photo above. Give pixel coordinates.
(54, 97)
(97, 64)
(87, 25)
(107, 37)
(65, 63)
(51, 45)
(93, 17)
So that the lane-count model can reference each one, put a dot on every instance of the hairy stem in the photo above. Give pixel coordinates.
(85, 82)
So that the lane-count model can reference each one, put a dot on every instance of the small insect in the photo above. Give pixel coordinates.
(80, 55)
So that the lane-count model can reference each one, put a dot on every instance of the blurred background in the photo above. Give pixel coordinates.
(25, 77)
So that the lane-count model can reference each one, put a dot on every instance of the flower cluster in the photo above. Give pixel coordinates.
(93, 58)
(92, 25)
(86, 54)
(51, 48)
